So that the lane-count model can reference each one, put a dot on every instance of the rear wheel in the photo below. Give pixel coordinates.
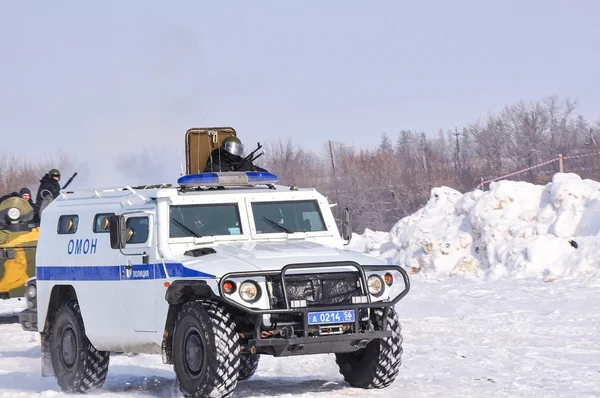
(378, 364)
(206, 350)
(78, 366)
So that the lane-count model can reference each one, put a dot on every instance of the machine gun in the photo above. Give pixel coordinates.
(250, 158)
(69, 180)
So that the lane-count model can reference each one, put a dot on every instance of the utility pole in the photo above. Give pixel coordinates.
(422, 148)
(457, 152)
(593, 140)
(337, 193)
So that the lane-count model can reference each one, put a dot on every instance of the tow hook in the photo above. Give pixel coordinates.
(361, 343)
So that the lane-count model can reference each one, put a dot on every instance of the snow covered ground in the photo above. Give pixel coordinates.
(501, 305)
(507, 338)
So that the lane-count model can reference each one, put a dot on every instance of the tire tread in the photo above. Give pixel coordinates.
(94, 363)
(224, 370)
(383, 368)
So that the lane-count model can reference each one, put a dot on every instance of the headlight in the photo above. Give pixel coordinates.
(375, 284)
(30, 292)
(14, 213)
(249, 291)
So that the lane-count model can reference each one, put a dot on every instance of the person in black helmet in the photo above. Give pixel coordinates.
(48, 186)
(228, 157)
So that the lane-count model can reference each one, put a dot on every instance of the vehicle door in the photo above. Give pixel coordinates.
(137, 273)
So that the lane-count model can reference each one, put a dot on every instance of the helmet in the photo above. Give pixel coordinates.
(24, 191)
(54, 173)
(233, 145)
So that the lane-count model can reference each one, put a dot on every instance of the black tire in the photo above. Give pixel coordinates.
(248, 366)
(206, 350)
(378, 364)
(77, 365)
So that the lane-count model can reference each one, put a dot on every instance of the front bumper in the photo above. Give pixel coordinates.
(281, 347)
(28, 320)
(351, 336)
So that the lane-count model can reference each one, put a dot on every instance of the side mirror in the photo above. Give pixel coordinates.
(118, 234)
(347, 224)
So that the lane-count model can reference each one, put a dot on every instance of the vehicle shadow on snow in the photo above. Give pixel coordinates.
(27, 382)
(33, 352)
(160, 383)
(276, 386)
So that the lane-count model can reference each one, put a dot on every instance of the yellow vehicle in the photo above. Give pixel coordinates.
(18, 243)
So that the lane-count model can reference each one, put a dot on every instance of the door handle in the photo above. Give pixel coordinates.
(128, 266)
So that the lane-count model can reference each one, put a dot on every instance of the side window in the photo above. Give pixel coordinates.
(137, 230)
(67, 224)
(101, 222)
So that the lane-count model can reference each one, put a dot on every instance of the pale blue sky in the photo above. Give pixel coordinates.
(125, 72)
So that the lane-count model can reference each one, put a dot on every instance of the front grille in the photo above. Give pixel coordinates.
(318, 289)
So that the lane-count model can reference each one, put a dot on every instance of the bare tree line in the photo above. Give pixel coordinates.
(18, 172)
(394, 180)
(384, 184)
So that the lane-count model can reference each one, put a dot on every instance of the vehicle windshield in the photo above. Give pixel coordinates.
(204, 220)
(289, 217)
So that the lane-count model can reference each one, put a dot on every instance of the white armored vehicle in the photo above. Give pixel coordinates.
(210, 274)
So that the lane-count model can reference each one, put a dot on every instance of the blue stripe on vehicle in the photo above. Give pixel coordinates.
(178, 270)
(79, 273)
(114, 272)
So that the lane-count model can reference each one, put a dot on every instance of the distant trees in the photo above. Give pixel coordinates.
(384, 184)
(17, 172)
(393, 180)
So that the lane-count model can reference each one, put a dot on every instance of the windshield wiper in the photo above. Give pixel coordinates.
(284, 229)
(184, 227)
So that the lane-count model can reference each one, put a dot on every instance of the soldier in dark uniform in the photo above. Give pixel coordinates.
(48, 185)
(228, 157)
(48, 190)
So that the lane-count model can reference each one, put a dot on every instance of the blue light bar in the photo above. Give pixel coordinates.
(228, 178)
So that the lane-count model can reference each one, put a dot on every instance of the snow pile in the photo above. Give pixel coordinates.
(375, 243)
(514, 229)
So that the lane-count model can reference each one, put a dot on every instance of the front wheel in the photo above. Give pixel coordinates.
(206, 350)
(378, 364)
(78, 366)
(248, 366)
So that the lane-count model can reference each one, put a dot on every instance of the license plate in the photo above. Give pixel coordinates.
(328, 317)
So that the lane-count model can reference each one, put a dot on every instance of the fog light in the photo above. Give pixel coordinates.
(359, 299)
(297, 303)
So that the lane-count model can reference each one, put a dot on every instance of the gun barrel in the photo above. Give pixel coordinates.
(249, 158)
(69, 180)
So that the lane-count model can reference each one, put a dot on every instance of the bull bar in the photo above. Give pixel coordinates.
(317, 344)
